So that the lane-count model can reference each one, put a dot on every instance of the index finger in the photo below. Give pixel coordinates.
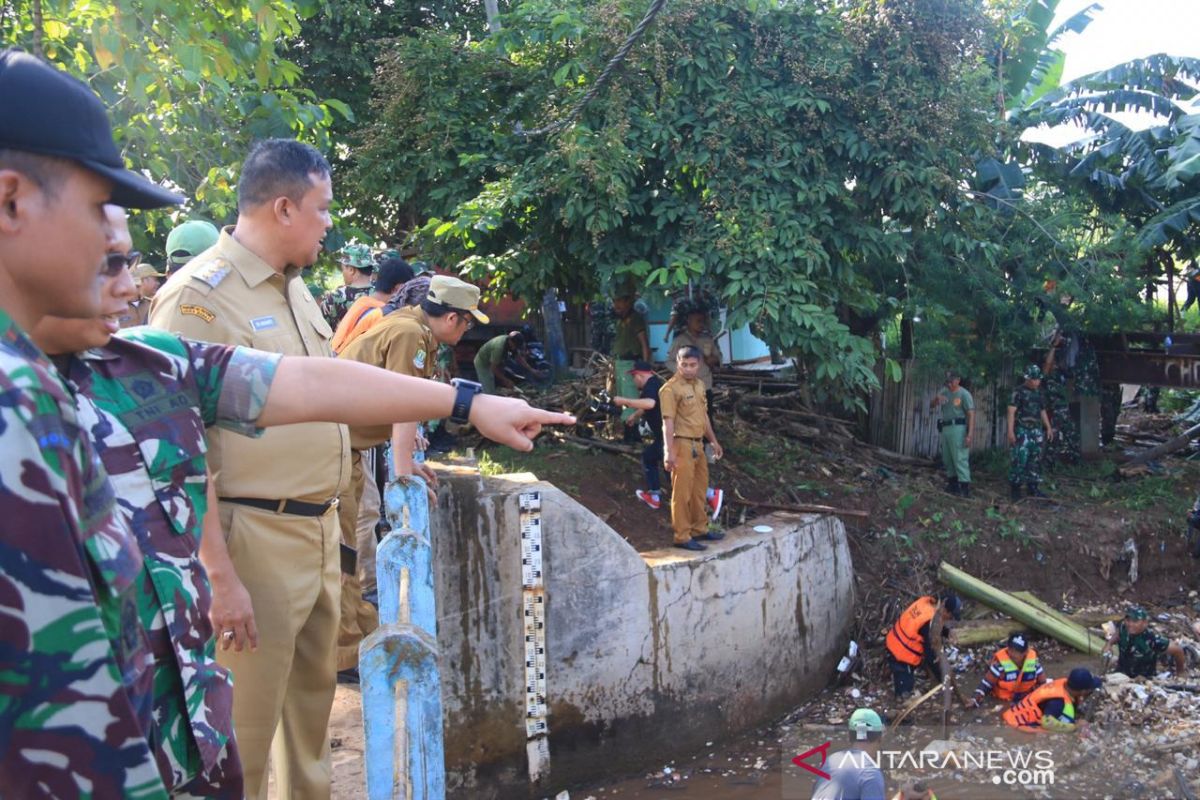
(544, 417)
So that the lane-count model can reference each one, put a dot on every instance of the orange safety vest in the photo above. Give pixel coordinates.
(904, 640)
(1028, 712)
(1015, 678)
(360, 318)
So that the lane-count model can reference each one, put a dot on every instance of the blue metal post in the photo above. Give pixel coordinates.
(398, 661)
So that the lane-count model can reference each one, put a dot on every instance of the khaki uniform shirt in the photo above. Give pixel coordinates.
(403, 342)
(138, 314)
(228, 295)
(684, 401)
(707, 346)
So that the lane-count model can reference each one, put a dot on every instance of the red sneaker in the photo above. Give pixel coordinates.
(714, 502)
(649, 499)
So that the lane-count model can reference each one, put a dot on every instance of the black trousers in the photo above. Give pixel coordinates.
(903, 678)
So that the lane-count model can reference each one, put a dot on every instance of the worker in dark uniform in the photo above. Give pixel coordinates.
(1013, 673)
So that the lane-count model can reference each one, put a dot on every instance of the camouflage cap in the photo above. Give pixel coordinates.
(1033, 372)
(1136, 613)
(357, 256)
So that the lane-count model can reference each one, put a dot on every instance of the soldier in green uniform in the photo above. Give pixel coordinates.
(358, 267)
(1028, 428)
(1064, 447)
(956, 424)
(1139, 648)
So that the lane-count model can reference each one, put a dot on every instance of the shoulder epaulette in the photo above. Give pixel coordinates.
(213, 272)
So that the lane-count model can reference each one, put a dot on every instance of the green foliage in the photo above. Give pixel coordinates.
(189, 84)
(783, 152)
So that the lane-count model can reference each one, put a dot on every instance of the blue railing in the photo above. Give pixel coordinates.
(398, 662)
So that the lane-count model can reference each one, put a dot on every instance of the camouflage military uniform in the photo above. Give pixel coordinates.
(1027, 452)
(1064, 447)
(76, 670)
(1138, 655)
(152, 398)
(337, 302)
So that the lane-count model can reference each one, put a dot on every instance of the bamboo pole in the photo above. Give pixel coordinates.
(911, 706)
(1070, 634)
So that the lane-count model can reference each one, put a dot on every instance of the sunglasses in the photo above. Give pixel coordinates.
(115, 262)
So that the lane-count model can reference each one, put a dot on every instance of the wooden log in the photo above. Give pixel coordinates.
(1070, 634)
(805, 508)
(986, 631)
(599, 444)
(1037, 602)
(1178, 443)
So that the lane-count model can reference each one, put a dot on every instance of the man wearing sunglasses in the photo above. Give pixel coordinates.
(406, 341)
(76, 669)
(147, 397)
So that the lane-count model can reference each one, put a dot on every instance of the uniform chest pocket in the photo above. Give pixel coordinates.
(173, 448)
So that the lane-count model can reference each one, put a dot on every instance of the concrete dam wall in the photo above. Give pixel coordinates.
(648, 656)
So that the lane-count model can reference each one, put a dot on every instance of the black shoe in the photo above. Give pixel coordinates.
(964, 490)
(711, 536)
(952, 486)
(1034, 491)
(690, 545)
(1014, 493)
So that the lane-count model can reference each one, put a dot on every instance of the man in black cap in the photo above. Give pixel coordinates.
(76, 669)
(1013, 673)
(1054, 707)
(911, 641)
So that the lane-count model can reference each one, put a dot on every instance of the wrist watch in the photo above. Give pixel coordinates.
(464, 396)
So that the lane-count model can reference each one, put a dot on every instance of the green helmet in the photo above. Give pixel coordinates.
(864, 721)
(357, 256)
(190, 239)
(1033, 372)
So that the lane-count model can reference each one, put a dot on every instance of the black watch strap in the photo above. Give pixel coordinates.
(464, 396)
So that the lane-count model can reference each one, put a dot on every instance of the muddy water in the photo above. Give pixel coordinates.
(759, 765)
(980, 759)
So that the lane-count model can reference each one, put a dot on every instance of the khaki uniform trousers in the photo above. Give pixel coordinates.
(283, 691)
(358, 617)
(689, 482)
(368, 519)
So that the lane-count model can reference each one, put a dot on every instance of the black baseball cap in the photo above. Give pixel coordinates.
(1082, 680)
(48, 112)
(641, 366)
(1018, 641)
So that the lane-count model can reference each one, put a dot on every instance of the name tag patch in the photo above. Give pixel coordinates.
(197, 311)
(263, 323)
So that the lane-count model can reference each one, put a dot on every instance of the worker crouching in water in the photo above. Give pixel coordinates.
(1054, 707)
(1139, 648)
(1013, 673)
(910, 642)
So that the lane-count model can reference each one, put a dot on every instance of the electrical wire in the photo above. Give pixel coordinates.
(602, 81)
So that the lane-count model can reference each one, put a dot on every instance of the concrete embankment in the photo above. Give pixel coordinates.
(648, 656)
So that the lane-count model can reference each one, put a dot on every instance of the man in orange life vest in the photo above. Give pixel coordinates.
(910, 642)
(1013, 673)
(1054, 707)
